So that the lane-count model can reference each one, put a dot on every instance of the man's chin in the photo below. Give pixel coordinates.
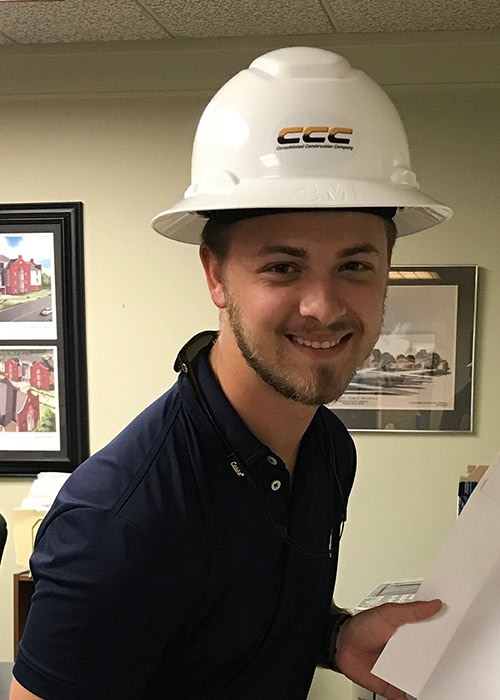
(310, 396)
(320, 399)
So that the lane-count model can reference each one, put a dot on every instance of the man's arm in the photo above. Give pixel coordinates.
(17, 692)
(90, 570)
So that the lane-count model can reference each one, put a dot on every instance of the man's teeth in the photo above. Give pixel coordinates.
(315, 344)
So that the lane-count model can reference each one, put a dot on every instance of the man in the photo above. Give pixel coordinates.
(195, 556)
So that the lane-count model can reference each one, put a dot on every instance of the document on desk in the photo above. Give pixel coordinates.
(454, 656)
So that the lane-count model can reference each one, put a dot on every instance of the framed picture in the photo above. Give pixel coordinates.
(43, 376)
(419, 376)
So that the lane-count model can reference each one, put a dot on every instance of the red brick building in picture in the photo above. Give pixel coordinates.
(19, 410)
(13, 369)
(17, 368)
(42, 374)
(18, 276)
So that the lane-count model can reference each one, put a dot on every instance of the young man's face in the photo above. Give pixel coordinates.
(303, 295)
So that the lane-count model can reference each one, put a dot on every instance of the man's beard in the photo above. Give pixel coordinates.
(322, 386)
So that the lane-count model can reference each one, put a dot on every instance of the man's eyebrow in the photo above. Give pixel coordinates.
(283, 249)
(302, 252)
(357, 249)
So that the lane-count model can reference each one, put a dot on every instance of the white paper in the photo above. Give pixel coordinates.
(454, 656)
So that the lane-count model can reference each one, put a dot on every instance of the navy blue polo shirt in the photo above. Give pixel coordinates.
(161, 573)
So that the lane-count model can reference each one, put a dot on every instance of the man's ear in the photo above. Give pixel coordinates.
(213, 272)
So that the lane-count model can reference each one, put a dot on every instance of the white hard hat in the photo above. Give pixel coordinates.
(300, 129)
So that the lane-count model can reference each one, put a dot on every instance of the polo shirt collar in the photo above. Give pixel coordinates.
(227, 419)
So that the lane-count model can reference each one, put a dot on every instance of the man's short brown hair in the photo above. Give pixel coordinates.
(216, 235)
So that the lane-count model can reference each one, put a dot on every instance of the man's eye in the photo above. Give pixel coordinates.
(355, 266)
(281, 268)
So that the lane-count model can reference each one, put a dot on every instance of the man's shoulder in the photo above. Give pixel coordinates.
(343, 444)
(333, 424)
(141, 439)
(143, 459)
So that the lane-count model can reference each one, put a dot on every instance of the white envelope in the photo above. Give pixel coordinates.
(455, 655)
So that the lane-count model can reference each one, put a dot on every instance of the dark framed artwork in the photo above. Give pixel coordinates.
(43, 372)
(419, 376)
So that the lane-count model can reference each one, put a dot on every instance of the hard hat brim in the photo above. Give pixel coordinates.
(416, 211)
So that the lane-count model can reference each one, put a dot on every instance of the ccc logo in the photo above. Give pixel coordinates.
(311, 134)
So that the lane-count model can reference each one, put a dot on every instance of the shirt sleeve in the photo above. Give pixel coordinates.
(108, 602)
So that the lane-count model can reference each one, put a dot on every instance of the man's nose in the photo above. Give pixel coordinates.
(323, 301)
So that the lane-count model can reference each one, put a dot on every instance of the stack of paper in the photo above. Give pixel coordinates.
(44, 490)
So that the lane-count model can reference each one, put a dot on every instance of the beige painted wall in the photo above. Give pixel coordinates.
(126, 156)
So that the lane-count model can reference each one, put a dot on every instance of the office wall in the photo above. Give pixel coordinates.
(125, 153)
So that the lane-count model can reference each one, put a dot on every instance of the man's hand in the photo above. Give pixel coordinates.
(362, 638)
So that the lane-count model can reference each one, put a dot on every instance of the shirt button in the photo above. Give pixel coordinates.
(275, 485)
(272, 460)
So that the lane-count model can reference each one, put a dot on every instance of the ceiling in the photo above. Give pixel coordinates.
(69, 21)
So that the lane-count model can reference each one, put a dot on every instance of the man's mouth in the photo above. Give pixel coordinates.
(319, 344)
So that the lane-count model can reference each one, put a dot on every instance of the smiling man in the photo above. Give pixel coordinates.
(235, 483)
(314, 280)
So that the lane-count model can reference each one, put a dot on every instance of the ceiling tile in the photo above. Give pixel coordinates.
(414, 15)
(219, 18)
(77, 20)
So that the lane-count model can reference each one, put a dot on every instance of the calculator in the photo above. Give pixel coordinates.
(390, 592)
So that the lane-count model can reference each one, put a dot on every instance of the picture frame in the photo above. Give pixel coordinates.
(43, 370)
(419, 376)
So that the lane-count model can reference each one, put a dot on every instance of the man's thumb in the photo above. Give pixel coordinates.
(399, 614)
(421, 610)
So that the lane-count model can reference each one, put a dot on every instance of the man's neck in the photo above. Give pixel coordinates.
(275, 420)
